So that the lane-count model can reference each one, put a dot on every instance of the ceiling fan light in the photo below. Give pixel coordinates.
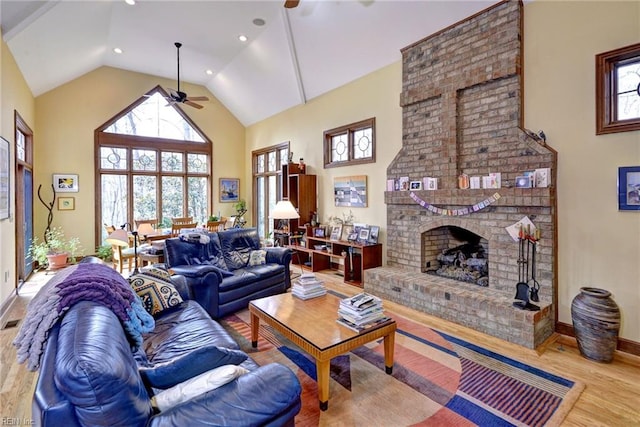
(243, 38)
(130, 2)
(209, 72)
(117, 50)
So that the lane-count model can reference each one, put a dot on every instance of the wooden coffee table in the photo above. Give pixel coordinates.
(311, 325)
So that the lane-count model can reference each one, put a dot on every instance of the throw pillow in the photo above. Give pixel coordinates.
(258, 257)
(181, 368)
(157, 294)
(184, 391)
(160, 273)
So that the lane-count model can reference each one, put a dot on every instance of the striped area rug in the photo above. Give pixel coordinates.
(437, 380)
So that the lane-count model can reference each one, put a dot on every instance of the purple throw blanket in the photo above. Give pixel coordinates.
(80, 282)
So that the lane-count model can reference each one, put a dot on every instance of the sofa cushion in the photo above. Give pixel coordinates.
(237, 244)
(155, 290)
(258, 257)
(202, 383)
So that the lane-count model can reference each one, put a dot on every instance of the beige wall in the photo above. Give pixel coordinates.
(14, 96)
(598, 245)
(68, 115)
(375, 95)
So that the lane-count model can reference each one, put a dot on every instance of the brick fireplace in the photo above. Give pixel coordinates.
(462, 114)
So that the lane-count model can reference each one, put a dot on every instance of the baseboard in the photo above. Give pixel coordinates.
(6, 304)
(624, 345)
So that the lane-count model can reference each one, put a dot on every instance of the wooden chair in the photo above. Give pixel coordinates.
(216, 225)
(153, 222)
(175, 228)
(184, 220)
(120, 254)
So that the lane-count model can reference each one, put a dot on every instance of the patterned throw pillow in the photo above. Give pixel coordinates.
(257, 257)
(155, 289)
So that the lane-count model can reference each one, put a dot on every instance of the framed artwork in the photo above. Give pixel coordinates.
(65, 183)
(373, 234)
(318, 232)
(629, 188)
(363, 235)
(415, 185)
(229, 190)
(4, 179)
(350, 191)
(66, 203)
(336, 232)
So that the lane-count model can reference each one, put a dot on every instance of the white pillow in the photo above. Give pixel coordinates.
(186, 390)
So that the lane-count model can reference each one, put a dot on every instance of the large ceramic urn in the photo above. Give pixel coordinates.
(596, 323)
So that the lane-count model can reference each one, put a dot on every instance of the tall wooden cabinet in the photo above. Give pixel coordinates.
(301, 190)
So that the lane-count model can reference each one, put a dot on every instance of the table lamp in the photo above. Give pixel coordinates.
(120, 238)
(284, 210)
(145, 229)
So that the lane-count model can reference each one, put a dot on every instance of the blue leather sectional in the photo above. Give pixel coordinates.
(219, 274)
(90, 377)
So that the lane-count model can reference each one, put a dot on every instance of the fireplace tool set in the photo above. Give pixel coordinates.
(527, 244)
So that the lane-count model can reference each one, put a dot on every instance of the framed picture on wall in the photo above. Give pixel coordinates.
(65, 183)
(629, 188)
(66, 203)
(4, 179)
(229, 190)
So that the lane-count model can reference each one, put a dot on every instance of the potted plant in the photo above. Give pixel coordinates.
(105, 252)
(55, 250)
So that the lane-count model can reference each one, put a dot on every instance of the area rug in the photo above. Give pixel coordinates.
(437, 380)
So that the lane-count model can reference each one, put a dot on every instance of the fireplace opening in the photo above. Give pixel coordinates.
(456, 253)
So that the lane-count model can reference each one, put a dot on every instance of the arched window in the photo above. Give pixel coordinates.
(152, 162)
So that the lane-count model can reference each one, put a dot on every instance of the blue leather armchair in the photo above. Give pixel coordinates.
(219, 274)
(90, 377)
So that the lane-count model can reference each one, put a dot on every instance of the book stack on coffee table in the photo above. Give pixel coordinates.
(361, 312)
(308, 286)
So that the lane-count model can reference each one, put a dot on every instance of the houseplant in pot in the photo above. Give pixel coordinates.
(55, 251)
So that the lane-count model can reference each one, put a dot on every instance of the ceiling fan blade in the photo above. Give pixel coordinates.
(197, 98)
(193, 104)
(290, 4)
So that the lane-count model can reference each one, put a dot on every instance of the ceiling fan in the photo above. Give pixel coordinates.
(177, 96)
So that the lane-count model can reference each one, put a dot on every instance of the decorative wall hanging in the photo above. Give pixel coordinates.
(350, 191)
(229, 190)
(4, 178)
(629, 188)
(65, 183)
(455, 212)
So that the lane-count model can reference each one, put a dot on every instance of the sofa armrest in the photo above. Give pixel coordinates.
(203, 282)
(180, 283)
(279, 255)
(268, 396)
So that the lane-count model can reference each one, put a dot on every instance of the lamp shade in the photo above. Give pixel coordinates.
(284, 210)
(119, 238)
(145, 229)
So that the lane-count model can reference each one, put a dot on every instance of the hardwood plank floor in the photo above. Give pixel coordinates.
(611, 396)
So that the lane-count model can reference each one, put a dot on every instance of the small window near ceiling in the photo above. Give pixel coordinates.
(618, 90)
(350, 144)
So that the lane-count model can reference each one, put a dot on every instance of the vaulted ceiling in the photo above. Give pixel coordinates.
(295, 55)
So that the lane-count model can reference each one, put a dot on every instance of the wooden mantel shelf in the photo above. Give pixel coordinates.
(535, 197)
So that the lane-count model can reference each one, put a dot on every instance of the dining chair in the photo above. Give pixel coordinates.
(183, 220)
(153, 222)
(120, 254)
(175, 228)
(216, 225)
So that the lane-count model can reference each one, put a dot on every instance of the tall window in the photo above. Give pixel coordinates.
(350, 144)
(152, 163)
(267, 175)
(618, 90)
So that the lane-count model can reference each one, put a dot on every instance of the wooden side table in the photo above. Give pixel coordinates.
(146, 258)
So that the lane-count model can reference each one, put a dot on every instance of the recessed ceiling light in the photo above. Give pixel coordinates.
(117, 50)
(209, 72)
(242, 38)
(259, 22)
(130, 2)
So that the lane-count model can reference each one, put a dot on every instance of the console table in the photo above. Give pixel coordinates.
(321, 253)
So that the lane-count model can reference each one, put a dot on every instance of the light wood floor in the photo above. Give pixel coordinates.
(611, 396)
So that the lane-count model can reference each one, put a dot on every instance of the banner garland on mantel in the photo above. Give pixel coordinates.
(455, 212)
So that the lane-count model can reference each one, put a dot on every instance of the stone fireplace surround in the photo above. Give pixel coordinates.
(462, 113)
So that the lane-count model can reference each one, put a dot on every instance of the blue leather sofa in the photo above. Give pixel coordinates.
(219, 273)
(90, 377)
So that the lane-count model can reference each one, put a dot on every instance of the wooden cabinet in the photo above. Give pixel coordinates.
(301, 190)
(320, 253)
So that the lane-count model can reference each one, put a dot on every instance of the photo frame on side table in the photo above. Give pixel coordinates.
(629, 188)
(5, 176)
(229, 190)
(336, 232)
(373, 234)
(65, 183)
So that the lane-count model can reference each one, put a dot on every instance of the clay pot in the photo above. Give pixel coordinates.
(57, 261)
(596, 322)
